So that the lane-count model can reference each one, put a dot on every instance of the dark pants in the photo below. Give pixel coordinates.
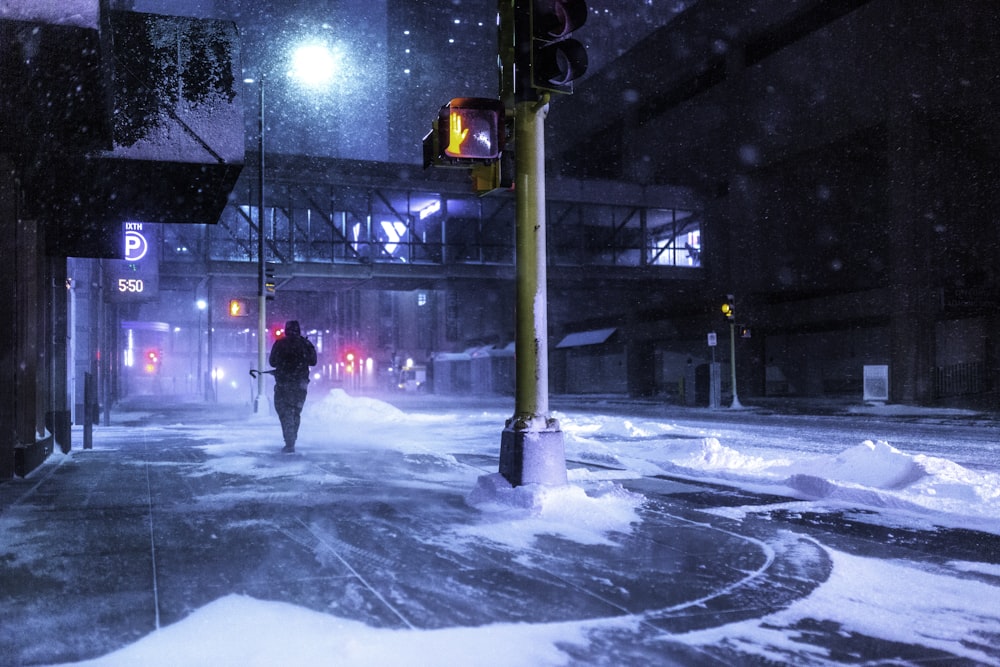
(289, 397)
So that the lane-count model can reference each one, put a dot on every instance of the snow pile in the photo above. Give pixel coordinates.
(879, 475)
(606, 428)
(338, 407)
(712, 455)
(874, 464)
(241, 631)
(338, 414)
(517, 515)
(873, 473)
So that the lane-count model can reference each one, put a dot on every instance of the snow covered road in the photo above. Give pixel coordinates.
(184, 537)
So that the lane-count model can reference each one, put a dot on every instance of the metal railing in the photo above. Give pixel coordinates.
(961, 379)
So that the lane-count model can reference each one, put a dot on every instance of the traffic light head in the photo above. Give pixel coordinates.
(729, 307)
(152, 361)
(352, 360)
(556, 59)
(269, 281)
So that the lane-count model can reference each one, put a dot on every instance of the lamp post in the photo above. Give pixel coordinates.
(260, 404)
(314, 66)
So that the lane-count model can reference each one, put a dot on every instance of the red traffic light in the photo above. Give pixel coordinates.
(352, 360)
(152, 361)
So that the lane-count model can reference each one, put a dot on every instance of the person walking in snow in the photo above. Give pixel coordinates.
(291, 356)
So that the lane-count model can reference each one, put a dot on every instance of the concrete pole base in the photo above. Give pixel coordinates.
(533, 457)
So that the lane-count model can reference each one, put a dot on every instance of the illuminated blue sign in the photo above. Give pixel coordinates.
(137, 277)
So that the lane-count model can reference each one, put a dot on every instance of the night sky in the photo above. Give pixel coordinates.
(398, 62)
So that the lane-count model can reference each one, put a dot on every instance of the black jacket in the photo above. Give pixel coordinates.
(291, 357)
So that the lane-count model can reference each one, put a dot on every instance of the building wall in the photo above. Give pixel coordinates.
(850, 165)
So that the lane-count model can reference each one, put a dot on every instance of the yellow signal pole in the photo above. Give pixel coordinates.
(532, 450)
(735, 405)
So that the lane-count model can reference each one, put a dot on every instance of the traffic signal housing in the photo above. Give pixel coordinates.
(269, 281)
(729, 308)
(237, 308)
(495, 176)
(152, 361)
(351, 361)
(557, 60)
(467, 131)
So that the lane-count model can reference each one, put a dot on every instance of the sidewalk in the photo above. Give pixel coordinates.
(105, 546)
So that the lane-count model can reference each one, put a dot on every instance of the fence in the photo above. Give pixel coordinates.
(960, 379)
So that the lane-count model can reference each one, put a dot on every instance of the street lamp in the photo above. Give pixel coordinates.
(261, 280)
(313, 65)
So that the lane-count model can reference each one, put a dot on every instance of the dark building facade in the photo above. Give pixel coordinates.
(96, 105)
(846, 153)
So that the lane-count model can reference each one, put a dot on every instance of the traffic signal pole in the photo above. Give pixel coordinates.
(532, 450)
(729, 312)
(530, 348)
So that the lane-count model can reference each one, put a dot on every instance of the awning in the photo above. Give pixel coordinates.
(581, 338)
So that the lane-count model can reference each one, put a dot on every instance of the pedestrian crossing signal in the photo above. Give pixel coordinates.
(237, 308)
(468, 130)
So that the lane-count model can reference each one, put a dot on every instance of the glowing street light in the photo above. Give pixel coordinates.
(314, 65)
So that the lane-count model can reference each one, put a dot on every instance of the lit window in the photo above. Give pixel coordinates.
(676, 241)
